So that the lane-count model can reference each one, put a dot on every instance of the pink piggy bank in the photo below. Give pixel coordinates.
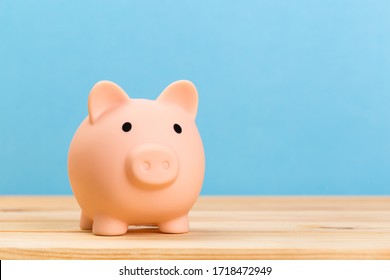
(137, 161)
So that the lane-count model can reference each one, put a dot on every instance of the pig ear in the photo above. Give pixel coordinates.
(182, 94)
(104, 96)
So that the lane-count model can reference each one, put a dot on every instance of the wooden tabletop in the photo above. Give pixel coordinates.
(221, 228)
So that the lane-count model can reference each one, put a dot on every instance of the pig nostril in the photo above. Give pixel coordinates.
(145, 165)
(165, 164)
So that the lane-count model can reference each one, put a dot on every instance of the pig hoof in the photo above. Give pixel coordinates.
(103, 225)
(85, 222)
(178, 225)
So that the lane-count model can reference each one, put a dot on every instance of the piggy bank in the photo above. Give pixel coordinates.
(137, 161)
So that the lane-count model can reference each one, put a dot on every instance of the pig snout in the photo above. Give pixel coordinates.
(152, 165)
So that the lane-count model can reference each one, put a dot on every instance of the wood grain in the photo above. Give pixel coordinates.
(221, 228)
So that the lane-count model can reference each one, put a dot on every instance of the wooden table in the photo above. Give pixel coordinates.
(221, 228)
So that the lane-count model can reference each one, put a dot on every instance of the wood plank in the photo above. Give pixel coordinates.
(221, 228)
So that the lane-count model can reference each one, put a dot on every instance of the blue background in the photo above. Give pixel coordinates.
(294, 95)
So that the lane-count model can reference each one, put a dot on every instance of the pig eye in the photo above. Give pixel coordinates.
(126, 127)
(177, 128)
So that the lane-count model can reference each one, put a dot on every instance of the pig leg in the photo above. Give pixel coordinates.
(104, 225)
(85, 222)
(177, 225)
